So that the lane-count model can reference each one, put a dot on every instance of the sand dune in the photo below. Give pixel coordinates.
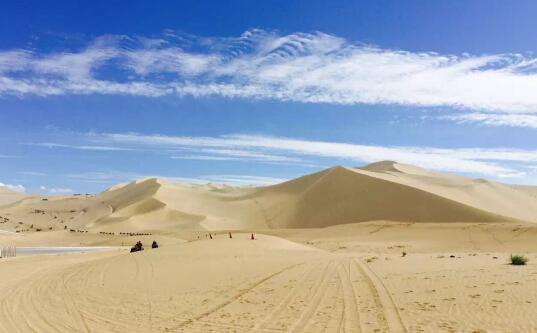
(8, 197)
(346, 195)
(327, 256)
(381, 191)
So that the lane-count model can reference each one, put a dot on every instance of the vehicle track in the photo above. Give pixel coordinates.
(231, 300)
(147, 284)
(290, 297)
(320, 290)
(335, 293)
(351, 321)
(385, 304)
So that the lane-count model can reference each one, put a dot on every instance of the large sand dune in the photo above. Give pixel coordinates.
(327, 256)
(380, 191)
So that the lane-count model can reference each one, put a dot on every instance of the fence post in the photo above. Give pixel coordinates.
(8, 251)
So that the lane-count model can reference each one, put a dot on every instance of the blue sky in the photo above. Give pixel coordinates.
(243, 92)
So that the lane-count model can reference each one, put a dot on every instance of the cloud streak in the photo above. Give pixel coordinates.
(495, 119)
(56, 190)
(301, 67)
(491, 162)
(15, 188)
(114, 177)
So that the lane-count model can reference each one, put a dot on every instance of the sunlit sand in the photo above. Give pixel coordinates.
(385, 248)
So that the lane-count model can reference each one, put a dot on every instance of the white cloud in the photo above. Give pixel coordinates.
(495, 162)
(490, 162)
(114, 177)
(243, 155)
(56, 190)
(241, 180)
(303, 67)
(60, 190)
(16, 188)
(32, 173)
(495, 119)
(80, 147)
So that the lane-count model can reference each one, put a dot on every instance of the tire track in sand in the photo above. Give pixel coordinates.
(231, 300)
(147, 280)
(291, 296)
(320, 290)
(385, 304)
(351, 320)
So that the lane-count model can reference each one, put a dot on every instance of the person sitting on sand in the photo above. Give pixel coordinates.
(154, 245)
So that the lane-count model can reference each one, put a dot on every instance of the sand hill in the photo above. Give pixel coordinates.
(383, 248)
(8, 197)
(381, 191)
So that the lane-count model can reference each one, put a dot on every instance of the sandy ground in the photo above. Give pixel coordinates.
(349, 278)
(328, 256)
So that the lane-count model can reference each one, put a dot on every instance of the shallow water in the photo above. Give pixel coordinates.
(26, 251)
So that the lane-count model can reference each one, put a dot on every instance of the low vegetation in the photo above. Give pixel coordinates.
(518, 259)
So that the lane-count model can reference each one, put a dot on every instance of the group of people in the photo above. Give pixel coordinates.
(140, 247)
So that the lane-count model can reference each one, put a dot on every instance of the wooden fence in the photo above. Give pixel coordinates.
(8, 251)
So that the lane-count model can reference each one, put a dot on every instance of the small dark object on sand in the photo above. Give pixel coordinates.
(137, 247)
(154, 245)
(452, 256)
(403, 254)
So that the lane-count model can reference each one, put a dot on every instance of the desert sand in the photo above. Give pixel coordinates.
(383, 248)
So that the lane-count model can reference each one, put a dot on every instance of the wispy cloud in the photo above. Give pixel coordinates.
(114, 177)
(104, 177)
(80, 147)
(14, 188)
(490, 162)
(32, 173)
(205, 154)
(482, 161)
(241, 180)
(304, 67)
(495, 119)
(56, 190)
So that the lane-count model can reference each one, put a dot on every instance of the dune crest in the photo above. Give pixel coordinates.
(384, 190)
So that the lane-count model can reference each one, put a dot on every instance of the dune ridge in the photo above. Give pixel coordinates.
(387, 247)
(385, 190)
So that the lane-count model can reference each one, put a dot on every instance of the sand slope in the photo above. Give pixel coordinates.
(8, 197)
(345, 195)
(274, 285)
(380, 191)
(327, 256)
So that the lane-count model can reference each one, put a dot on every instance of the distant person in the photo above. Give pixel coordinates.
(154, 245)
(137, 247)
